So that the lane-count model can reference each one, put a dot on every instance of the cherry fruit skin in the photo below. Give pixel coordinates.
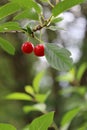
(27, 47)
(39, 50)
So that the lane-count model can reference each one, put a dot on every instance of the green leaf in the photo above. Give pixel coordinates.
(8, 9)
(28, 4)
(68, 117)
(30, 25)
(37, 80)
(26, 127)
(66, 91)
(30, 14)
(81, 71)
(19, 96)
(41, 97)
(9, 26)
(42, 122)
(56, 19)
(65, 5)
(37, 107)
(68, 77)
(6, 46)
(29, 89)
(83, 127)
(29, 30)
(4, 126)
(81, 90)
(69, 90)
(58, 57)
(54, 28)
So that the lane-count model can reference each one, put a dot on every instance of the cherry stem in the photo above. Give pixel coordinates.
(28, 38)
(38, 39)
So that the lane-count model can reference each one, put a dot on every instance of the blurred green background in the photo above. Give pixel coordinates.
(68, 89)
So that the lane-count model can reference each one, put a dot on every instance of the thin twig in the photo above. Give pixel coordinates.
(38, 39)
(50, 4)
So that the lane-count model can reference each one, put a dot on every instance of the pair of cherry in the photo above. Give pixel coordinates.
(28, 48)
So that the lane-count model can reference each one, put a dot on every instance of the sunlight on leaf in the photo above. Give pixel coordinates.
(29, 89)
(19, 96)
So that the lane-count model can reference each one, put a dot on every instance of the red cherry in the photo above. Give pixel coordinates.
(39, 50)
(27, 47)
